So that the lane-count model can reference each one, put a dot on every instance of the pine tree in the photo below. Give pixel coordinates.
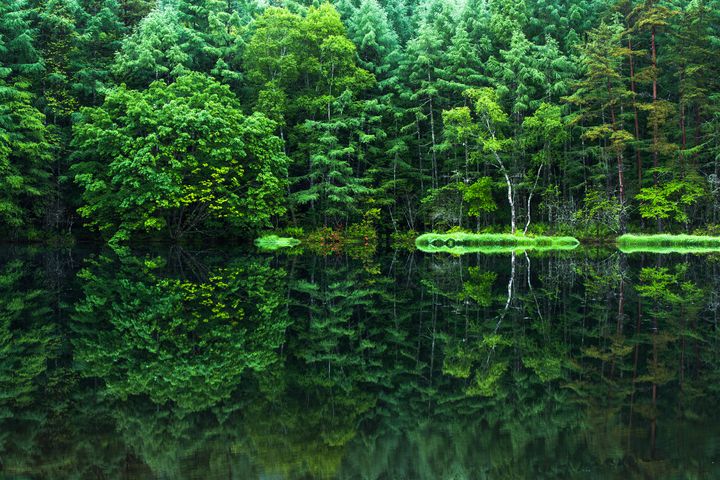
(132, 11)
(651, 17)
(601, 95)
(422, 61)
(100, 33)
(476, 16)
(696, 79)
(24, 147)
(56, 35)
(373, 35)
(180, 35)
(333, 186)
(398, 12)
(463, 67)
(516, 75)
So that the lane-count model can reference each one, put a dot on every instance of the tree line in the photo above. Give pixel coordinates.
(225, 117)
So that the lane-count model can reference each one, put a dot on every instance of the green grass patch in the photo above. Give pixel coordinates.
(461, 243)
(668, 244)
(274, 242)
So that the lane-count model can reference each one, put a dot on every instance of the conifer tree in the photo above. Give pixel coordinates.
(601, 95)
(101, 32)
(25, 152)
(652, 17)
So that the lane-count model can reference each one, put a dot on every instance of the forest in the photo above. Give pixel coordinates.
(126, 120)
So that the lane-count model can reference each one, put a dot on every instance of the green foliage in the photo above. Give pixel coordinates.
(186, 341)
(25, 155)
(478, 196)
(600, 213)
(365, 232)
(403, 240)
(25, 145)
(203, 36)
(445, 205)
(398, 105)
(670, 200)
(177, 156)
(325, 241)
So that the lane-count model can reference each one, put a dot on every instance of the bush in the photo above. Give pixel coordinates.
(325, 241)
(403, 240)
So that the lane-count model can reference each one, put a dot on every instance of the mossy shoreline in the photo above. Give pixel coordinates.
(459, 243)
(663, 243)
(275, 242)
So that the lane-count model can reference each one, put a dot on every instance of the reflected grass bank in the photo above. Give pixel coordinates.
(462, 243)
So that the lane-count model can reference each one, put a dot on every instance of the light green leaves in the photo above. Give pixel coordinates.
(180, 157)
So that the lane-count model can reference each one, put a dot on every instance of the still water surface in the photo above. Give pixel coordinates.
(183, 364)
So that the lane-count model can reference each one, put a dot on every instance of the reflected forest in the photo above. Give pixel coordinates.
(181, 364)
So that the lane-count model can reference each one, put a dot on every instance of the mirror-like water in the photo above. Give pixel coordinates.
(178, 364)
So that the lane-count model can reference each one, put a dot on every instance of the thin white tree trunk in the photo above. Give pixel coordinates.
(530, 196)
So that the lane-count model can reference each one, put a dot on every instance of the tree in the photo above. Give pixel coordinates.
(546, 132)
(670, 200)
(650, 16)
(273, 53)
(180, 157)
(517, 78)
(464, 67)
(202, 36)
(420, 68)
(478, 196)
(332, 185)
(100, 34)
(601, 95)
(372, 33)
(600, 212)
(25, 150)
(444, 205)
(493, 144)
(24, 161)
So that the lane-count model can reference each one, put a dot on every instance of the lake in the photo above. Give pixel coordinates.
(174, 363)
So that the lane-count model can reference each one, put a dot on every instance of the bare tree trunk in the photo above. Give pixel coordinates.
(511, 201)
(530, 196)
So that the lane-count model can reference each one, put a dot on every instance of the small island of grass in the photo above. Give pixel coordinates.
(461, 243)
(668, 244)
(275, 242)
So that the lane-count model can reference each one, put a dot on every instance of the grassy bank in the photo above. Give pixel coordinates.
(461, 243)
(668, 243)
(274, 242)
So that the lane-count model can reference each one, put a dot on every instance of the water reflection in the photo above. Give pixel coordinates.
(179, 364)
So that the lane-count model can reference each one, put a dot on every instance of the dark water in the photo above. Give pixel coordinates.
(178, 364)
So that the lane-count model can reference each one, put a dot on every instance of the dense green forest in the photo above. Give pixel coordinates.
(138, 118)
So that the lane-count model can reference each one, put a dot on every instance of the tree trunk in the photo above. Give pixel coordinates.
(638, 159)
(511, 201)
(530, 196)
(654, 99)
